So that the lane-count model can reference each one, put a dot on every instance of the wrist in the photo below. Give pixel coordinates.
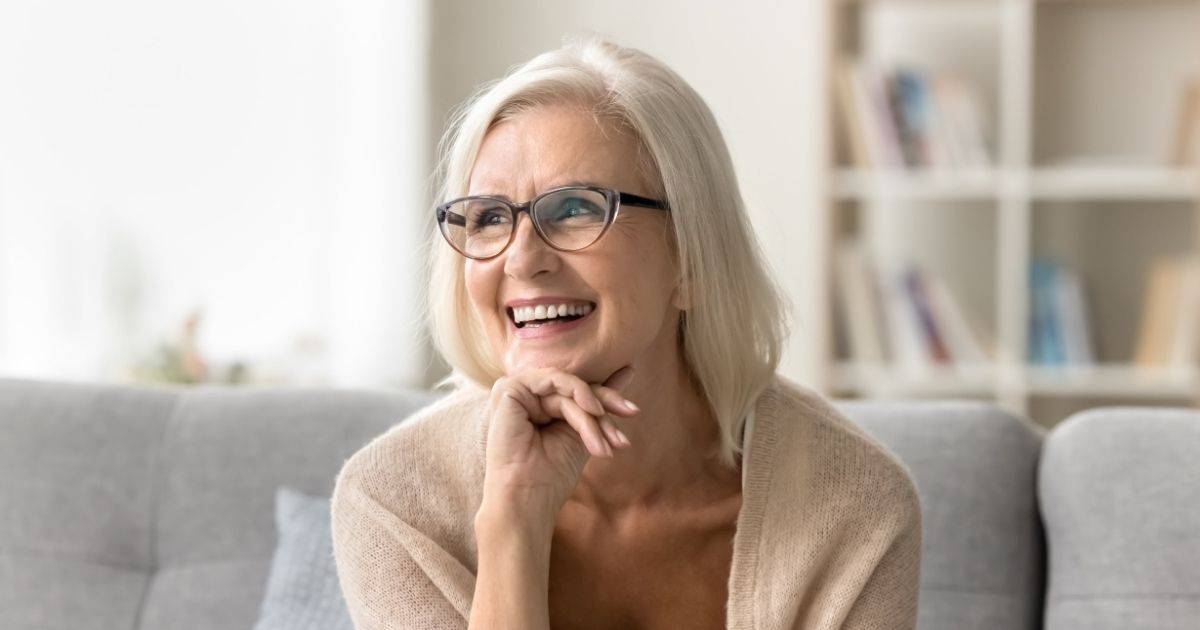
(519, 514)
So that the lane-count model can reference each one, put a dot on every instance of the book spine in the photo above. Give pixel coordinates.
(920, 302)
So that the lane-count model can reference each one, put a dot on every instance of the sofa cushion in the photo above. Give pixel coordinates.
(153, 509)
(975, 468)
(78, 471)
(1119, 495)
(303, 592)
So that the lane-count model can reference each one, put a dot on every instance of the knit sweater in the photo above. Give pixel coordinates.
(829, 533)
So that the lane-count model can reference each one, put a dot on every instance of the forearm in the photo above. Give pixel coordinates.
(512, 585)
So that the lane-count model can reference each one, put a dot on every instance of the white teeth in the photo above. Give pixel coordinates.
(523, 314)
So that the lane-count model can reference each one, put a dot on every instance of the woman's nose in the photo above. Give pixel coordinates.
(528, 255)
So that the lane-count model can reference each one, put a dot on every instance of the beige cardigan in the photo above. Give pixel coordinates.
(829, 534)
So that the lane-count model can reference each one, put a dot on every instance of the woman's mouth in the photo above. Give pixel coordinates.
(549, 314)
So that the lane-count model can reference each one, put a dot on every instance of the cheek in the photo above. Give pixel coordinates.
(481, 291)
(644, 292)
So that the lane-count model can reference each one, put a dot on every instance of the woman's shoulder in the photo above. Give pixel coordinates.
(813, 435)
(433, 456)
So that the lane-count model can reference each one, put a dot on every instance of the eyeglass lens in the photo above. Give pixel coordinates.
(569, 219)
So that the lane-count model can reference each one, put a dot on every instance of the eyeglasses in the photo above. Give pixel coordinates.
(567, 219)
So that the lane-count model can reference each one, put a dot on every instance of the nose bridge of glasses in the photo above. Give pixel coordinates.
(533, 232)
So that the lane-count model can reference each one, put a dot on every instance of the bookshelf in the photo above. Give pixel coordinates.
(1077, 109)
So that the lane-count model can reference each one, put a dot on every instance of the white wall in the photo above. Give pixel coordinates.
(758, 65)
(266, 161)
(259, 160)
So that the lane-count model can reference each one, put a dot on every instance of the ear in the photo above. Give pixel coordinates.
(681, 297)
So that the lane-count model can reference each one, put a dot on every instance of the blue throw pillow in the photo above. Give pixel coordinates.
(303, 591)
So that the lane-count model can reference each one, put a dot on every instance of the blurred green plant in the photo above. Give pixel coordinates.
(181, 362)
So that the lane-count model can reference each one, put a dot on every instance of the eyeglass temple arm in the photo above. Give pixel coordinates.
(452, 217)
(631, 199)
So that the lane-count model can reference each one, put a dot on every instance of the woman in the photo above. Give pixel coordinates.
(619, 452)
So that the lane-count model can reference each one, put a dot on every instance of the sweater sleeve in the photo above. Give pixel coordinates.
(393, 577)
(888, 600)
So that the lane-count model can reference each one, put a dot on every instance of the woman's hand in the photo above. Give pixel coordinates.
(544, 426)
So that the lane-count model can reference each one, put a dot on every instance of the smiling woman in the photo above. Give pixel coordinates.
(619, 451)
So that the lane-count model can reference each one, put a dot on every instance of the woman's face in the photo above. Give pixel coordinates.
(628, 279)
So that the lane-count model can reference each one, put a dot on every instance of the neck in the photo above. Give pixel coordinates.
(675, 440)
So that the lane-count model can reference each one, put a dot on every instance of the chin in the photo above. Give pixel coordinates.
(589, 371)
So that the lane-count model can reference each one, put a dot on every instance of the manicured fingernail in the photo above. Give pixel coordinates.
(622, 437)
(630, 406)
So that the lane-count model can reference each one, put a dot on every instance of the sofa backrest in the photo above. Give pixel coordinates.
(1120, 494)
(147, 509)
(975, 467)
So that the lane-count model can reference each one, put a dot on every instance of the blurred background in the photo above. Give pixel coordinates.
(992, 199)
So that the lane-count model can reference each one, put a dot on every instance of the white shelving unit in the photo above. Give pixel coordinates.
(1081, 97)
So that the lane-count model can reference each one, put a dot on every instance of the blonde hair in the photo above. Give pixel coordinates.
(733, 332)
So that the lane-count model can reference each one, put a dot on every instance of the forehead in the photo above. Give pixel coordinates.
(553, 146)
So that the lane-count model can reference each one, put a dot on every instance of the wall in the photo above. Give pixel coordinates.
(758, 66)
(257, 160)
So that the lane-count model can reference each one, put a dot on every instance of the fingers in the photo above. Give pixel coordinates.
(615, 436)
(613, 401)
(587, 427)
(568, 386)
(584, 407)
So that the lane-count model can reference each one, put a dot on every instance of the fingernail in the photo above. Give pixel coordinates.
(630, 406)
(622, 437)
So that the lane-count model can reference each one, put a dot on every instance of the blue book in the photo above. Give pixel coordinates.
(1047, 343)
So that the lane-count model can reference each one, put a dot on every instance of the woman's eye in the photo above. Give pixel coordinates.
(575, 208)
(490, 217)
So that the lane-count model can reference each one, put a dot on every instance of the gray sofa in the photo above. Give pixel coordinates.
(144, 509)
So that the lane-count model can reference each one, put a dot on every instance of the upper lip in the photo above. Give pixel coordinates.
(546, 300)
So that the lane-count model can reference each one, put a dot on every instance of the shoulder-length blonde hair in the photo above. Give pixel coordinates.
(732, 334)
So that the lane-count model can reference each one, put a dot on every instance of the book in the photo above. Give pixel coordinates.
(1186, 150)
(858, 299)
(1045, 333)
(911, 112)
(1074, 324)
(909, 118)
(1186, 337)
(905, 331)
(1159, 322)
(855, 115)
(931, 332)
(883, 135)
(961, 340)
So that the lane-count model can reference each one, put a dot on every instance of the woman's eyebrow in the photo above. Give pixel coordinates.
(577, 182)
(568, 184)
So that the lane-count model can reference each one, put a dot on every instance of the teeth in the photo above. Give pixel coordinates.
(542, 311)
